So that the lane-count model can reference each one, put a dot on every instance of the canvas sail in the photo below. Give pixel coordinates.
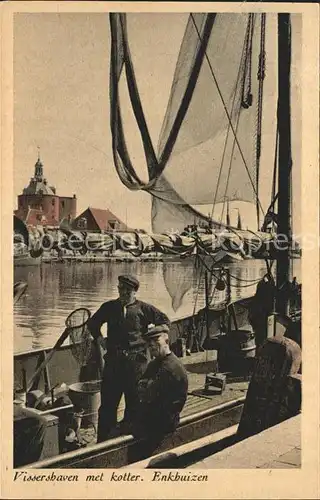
(208, 148)
(205, 165)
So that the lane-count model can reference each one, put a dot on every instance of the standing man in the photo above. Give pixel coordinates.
(127, 319)
(162, 392)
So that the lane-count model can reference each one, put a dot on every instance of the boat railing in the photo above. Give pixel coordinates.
(191, 427)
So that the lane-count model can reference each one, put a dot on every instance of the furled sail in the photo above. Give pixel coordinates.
(209, 146)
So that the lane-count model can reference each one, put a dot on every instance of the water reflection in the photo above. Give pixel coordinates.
(55, 290)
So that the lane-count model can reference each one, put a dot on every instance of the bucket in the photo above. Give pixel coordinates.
(85, 397)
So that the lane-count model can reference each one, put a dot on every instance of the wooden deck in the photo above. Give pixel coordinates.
(197, 366)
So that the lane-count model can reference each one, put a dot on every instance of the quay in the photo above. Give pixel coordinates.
(100, 257)
(278, 447)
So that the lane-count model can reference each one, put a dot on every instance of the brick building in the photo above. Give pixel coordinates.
(39, 203)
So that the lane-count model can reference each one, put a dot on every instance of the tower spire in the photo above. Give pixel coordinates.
(38, 168)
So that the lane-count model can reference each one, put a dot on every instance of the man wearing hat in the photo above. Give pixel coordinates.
(162, 392)
(127, 319)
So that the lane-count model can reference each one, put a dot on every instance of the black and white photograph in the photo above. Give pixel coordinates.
(158, 245)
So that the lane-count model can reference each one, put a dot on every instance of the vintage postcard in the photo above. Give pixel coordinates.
(159, 250)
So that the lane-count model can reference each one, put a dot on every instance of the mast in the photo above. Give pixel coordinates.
(285, 160)
(228, 214)
(206, 284)
(239, 223)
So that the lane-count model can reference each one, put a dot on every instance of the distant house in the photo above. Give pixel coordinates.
(96, 219)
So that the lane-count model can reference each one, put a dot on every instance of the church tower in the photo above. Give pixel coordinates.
(39, 203)
(38, 170)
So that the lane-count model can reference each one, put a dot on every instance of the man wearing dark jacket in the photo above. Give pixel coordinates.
(162, 392)
(127, 319)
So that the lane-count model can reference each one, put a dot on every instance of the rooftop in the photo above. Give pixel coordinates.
(38, 184)
(36, 187)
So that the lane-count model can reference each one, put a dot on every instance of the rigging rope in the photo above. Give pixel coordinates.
(242, 279)
(246, 96)
(227, 137)
(228, 115)
(197, 293)
(246, 100)
(275, 168)
(260, 76)
(274, 197)
(246, 286)
(229, 169)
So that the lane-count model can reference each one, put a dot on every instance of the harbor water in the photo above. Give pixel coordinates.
(56, 289)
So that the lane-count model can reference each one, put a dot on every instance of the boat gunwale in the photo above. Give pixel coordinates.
(121, 441)
(243, 302)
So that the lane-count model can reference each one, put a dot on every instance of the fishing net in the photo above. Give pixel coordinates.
(212, 148)
(79, 334)
(76, 331)
(209, 149)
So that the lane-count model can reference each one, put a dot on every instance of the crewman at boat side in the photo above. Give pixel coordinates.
(162, 392)
(127, 319)
(28, 427)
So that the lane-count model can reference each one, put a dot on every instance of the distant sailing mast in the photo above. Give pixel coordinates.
(239, 223)
(228, 214)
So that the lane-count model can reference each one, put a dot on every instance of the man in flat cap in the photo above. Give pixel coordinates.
(162, 392)
(127, 318)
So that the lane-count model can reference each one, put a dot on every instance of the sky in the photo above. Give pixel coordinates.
(61, 103)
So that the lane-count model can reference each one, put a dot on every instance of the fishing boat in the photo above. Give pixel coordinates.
(22, 257)
(226, 244)
(26, 245)
(242, 37)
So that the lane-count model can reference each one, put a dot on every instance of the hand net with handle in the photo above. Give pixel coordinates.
(75, 328)
(80, 338)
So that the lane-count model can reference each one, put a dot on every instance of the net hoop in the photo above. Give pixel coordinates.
(82, 313)
(79, 334)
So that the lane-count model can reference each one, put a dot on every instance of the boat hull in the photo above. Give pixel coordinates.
(124, 450)
(26, 260)
(65, 362)
(200, 416)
